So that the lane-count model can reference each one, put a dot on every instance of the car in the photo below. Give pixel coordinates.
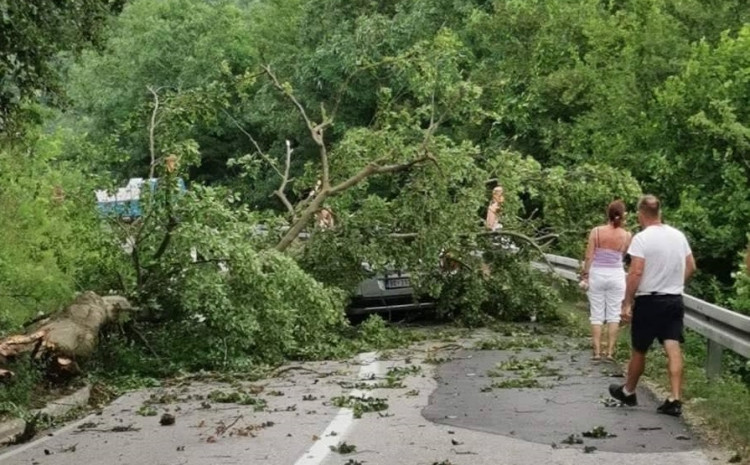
(386, 292)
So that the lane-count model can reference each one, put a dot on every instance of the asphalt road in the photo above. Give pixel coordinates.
(436, 415)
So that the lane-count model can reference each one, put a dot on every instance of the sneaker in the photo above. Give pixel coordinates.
(616, 391)
(671, 407)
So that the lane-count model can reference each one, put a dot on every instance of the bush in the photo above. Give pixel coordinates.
(46, 209)
(19, 393)
(502, 287)
(740, 301)
(228, 299)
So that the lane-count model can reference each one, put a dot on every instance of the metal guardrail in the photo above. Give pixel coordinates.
(724, 329)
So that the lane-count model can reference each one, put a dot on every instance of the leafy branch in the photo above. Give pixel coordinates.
(319, 196)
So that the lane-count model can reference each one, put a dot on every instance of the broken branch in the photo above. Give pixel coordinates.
(373, 169)
(281, 191)
(151, 129)
(262, 154)
(317, 131)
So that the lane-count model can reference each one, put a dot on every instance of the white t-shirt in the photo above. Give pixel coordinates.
(664, 250)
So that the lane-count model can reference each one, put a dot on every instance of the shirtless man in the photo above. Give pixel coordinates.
(493, 210)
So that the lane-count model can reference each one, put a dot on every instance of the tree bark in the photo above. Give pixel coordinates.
(66, 336)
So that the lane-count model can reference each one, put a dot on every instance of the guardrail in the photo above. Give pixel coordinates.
(724, 329)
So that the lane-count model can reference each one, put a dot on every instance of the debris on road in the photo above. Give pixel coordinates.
(573, 439)
(598, 432)
(344, 448)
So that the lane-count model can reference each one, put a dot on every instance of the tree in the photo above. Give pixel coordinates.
(32, 36)
(702, 119)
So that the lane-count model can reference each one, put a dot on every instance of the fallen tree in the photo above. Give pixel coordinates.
(66, 336)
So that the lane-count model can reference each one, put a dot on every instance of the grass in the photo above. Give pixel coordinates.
(720, 406)
(28, 389)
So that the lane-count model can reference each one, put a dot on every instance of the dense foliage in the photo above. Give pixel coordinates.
(404, 114)
(34, 38)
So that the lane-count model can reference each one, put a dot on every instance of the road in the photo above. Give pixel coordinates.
(440, 410)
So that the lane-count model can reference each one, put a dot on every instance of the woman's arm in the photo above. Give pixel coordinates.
(628, 238)
(589, 255)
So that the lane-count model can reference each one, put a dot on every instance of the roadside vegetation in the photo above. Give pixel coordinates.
(397, 117)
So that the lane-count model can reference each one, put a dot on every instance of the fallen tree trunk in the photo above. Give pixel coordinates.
(66, 336)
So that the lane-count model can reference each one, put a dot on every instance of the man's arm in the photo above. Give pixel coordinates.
(632, 281)
(491, 219)
(689, 267)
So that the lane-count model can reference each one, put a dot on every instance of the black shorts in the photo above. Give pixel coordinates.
(657, 317)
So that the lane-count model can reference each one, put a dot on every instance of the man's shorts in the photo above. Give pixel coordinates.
(656, 317)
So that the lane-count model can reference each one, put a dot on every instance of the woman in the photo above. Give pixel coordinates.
(493, 210)
(604, 277)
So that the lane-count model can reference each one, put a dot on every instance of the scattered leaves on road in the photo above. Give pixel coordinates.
(573, 439)
(598, 432)
(344, 448)
(146, 411)
(361, 405)
(236, 397)
(518, 383)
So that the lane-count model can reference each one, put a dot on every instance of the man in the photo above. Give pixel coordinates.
(661, 263)
(324, 218)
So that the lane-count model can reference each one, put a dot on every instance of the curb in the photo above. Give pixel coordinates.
(10, 429)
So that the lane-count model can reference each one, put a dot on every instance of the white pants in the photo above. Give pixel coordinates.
(606, 293)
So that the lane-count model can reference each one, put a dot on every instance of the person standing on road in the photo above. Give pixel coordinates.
(661, 263)
(604, 277)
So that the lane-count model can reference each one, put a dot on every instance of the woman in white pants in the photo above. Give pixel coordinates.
(604, 277)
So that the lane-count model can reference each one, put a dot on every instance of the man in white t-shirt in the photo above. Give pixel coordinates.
(661, 263)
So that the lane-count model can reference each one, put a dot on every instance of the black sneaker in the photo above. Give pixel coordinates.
(616, 391)
(671, 407)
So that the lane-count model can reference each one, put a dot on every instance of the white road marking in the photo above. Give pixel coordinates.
(344, 419)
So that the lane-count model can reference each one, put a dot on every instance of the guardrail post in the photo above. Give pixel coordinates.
(713, 359)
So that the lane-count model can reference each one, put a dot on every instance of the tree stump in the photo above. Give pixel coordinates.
(66, 336)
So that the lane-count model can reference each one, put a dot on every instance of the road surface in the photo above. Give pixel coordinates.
(441, 409)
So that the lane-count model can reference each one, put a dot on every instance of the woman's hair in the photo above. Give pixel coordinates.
(616, 213)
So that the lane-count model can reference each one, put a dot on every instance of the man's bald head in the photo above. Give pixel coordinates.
(650, 207)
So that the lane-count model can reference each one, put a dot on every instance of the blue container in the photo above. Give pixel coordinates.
(125, 202)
